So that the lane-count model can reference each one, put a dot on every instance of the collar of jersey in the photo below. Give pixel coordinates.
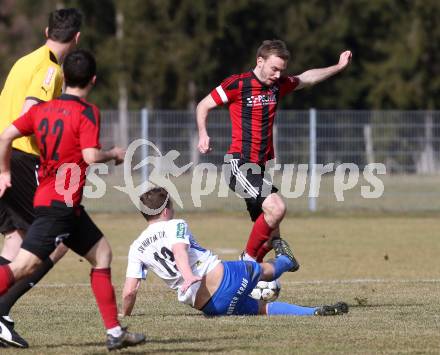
(52, 56)
(261, 83)
(69, 97)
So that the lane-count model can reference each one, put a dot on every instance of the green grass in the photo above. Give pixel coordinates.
(387, 269)
(402, 194)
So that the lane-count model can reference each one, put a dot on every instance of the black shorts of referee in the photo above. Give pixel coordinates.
(16, 205)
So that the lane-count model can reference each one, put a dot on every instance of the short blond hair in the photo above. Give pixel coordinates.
(273, 47)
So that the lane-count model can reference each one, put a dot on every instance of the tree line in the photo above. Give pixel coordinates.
(168, 54)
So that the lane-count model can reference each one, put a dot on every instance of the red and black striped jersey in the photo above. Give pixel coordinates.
(63, 128)
(252, 108)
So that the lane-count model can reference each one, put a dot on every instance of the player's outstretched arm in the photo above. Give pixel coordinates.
(6, 138)
(180, 251)
(202, 111)
(94, 155)
(314, 76)
(129, 294)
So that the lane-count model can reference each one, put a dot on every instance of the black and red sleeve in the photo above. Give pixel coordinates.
(89, 127)
(288, 84)
(25, 123)
(227, 91)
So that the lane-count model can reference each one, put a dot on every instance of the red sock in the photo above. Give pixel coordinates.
(105, 296)
(262, 252)
(7, 278)
(259, 235)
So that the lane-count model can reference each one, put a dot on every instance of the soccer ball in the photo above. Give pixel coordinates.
(266, 290)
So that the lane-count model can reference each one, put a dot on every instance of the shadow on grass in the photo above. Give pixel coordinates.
(162, 314)
(143, 350)
(389, 305)
(150, 341)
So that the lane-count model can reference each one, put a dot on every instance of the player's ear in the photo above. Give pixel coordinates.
(46, 32)
(260, 61)
(93, 81)
(77, 36)
(167, 213)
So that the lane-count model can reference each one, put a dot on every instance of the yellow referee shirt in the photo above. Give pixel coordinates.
(37, 76)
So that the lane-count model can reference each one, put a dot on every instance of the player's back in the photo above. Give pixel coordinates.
(153, 249)
(37, 76)
(63, 127)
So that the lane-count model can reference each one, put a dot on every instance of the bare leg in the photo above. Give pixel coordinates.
(14, 293)
(12, 244)
(24, 264)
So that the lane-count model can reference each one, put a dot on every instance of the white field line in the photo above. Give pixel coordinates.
(311, 282)
(360, 281)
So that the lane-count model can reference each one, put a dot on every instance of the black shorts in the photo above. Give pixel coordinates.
(249, 181)
(53, 225)
(16, 206)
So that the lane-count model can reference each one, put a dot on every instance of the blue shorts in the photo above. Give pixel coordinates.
(232, 296)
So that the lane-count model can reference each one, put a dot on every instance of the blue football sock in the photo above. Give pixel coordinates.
(281, 265)
(281, 308)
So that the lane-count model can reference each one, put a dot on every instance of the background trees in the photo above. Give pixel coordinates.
(170, 53)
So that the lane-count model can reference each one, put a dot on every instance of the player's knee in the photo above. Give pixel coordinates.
(32, 268)
(22, 269)
(267, 271)
(11, 245)
(104, 254)
(274, 207)
(280, 211)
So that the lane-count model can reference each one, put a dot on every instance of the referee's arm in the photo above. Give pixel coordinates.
(28, 103)
(6, 138)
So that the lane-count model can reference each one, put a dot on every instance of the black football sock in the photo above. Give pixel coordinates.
(23, 286)
(4, 261)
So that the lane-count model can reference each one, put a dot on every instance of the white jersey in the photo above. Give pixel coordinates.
(153, 250)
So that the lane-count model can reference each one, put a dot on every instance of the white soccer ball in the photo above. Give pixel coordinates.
(266, 290)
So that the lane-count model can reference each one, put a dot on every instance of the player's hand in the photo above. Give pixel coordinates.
(188, 282)
(5, 182)
(203, 145)
(344, 59)
(118, 154)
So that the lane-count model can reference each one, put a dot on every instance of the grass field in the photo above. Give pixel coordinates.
(386, 268)
(402, 194)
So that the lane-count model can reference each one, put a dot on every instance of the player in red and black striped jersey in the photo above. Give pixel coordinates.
(252, 107)
(253, 99)
(67, 134)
